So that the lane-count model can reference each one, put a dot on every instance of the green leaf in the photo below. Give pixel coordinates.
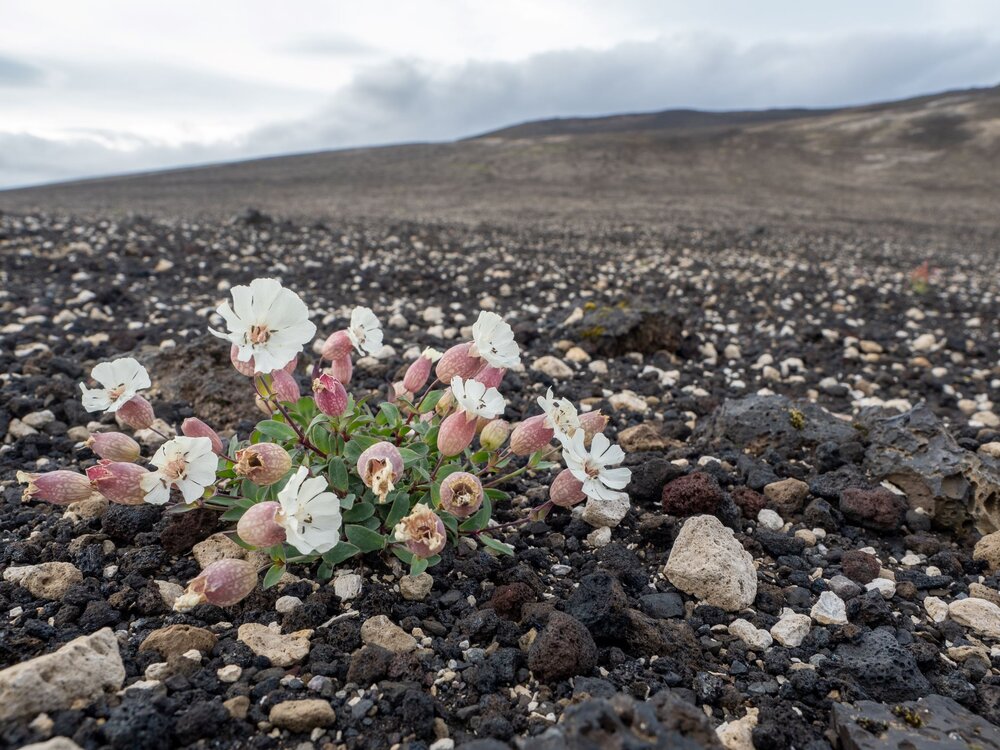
(389, 413)
(496, 546)
(338, 474)
(306, 407)
(478, 521)
(480, 457)
(356, 446)
(341, 552)
(400, 507)
(402, 553)
(276, 430)
(359, 512)
(320, 437)
(494, 494)
(273, 574)
(364, 539)
(418, 566)
(325, 571)
(412, 455)
(430, 401)
(236, 512)
(252, 491)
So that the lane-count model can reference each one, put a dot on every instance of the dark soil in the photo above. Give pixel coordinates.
(564, 645)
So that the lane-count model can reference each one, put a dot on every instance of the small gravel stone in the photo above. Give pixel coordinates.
(381, 631)
(286, 604)
(829, 609)
(348, 586)
(754, 637)
(416, 588)
(302, 716)
(791, 629)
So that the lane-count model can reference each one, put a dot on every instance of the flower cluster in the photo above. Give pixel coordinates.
(327, 477)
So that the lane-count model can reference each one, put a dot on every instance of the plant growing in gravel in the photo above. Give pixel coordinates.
(920, 278)
(327, 476)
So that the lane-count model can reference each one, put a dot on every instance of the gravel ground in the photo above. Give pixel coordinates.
(767, 383)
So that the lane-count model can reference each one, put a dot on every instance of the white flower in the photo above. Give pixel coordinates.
(121, 379)
(266, 322)
(561, 415)
(592, 467)
(310, 515)
(187, 463)
(432, 354)
(493, 340)
(475, 399)
(365, 331)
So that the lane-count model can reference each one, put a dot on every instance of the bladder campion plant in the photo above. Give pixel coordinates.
(327, 477)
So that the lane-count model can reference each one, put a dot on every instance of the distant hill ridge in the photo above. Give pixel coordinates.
(930, 160)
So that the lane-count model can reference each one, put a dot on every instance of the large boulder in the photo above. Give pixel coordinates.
(915, 452)
(931, 722)
(200, 373)
(615, 331)
(757, 423)
(881, 667)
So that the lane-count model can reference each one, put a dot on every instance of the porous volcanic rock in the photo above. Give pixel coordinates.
(917, 453)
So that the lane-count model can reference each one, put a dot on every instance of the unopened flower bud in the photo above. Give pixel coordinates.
(114, 446)
(494, 434)
(284, 387)
(137, 413)
(337, 346)
(566, 490)
(222, 583)
(418, 372)
(330, 395)
(446, 403)
(380, 467)
(263, 406)
(398, 391)
(291, 365)
(593, 423)
(118, 481)
(462, 494)
(490, 376)
(530, 435)
(60, 487)
(457, 361)
(258, 526)
(342, 369)
(422, 531)
(263, 463)
(455, 433)
(243, 368)
(194, 427)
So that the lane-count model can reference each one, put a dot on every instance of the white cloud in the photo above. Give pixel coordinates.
(105, 90)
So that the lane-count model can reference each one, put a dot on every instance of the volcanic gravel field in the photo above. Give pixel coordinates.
(797, 387)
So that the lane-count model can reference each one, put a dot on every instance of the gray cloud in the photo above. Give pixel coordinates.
(17, 73)
(330, 45)
(409, 100)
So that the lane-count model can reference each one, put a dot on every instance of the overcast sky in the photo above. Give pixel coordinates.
(100, 87)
